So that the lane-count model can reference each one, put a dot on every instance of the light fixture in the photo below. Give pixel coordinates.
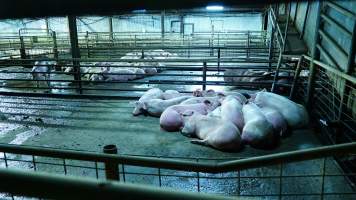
(139, 11)
(215, 8)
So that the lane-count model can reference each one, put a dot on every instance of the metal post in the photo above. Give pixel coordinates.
(248, 45)
(22, 48)
(295, 13)
(219, 59)
(265, 21)
(111, 30)
(87, 41)
(162, 23)
(346, 90)
(314, 55)
(295, 79)
(55, 50)
(204, 76)
(73, 34)
(142, 54)
(111, 168)
(279, 64)
(304, 21)
(47, 25)
(271, 50)
(182, 24)
(286, 28)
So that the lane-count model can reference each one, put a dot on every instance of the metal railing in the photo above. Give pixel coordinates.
(195, 173)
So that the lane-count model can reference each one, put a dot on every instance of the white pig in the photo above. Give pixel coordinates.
(211, 131)
(231, 110)
(154, 93)
(295, 114)
(280, 125)
(257, 132)
(155, 107)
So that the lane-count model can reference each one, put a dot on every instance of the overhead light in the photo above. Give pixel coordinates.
(139, 11)
(215, 8)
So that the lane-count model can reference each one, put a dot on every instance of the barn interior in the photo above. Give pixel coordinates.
(70, 130)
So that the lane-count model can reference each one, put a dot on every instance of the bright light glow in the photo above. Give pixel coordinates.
(215, 8)
(139, 11)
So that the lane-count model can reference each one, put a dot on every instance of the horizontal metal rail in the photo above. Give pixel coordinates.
(332, 69)
(225, 166)
(42, 185)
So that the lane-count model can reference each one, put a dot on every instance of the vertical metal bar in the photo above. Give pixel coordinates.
(111, 168)
(162, 24)
(22, 48)
(198, 179)
(47, 25)
(296, 76)
(135, 42)
(323, 180)
(34, 163)
(64, 167)
(96, 170)
(55, 48)
(111, 38)
(265, 21)
(304, 21)
(315, 55)
(271, 49)
(280, 180)
(239, 182)
(159, 177)
(181, 24)
(286, 29)
(275, 79)
(219, 56)
(295, 13)
(123, 172)
(204, 76)
(5, 160)
(142, 54)
(350, 62)
(73, 34)
(248, 45)
(87, 41)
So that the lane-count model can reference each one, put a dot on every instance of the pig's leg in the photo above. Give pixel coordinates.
(200, 142)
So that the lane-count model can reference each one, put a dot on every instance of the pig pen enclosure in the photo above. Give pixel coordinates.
(60, 118)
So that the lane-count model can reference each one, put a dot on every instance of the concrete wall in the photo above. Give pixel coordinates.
(342, 40)
(144, 23)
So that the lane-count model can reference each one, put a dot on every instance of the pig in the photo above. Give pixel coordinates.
(280, 125)
(216, 112)
(211, 131)
(171, 119)
(231, 110)
(295, 114)
(216, 100)
(257, 132)
(42, 69)
(116, 74)
(204, 93)
(155, 107)
(154, 93)
(169, 94)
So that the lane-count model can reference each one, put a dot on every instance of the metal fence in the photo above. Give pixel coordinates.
(296, 174)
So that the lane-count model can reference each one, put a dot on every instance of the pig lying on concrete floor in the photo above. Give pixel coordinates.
(171, 119)
(217, 133)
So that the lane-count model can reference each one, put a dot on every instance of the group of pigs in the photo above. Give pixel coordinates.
(224, 120)
(108, 71)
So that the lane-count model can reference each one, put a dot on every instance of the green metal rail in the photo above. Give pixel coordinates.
(226, 166)
(50, 186)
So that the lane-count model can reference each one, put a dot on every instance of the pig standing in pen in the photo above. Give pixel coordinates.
(42, 70)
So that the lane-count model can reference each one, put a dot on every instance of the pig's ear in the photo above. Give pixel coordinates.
(188, 113)
(135, 103)
(144, 105)
(264, 90)
(207, 102)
